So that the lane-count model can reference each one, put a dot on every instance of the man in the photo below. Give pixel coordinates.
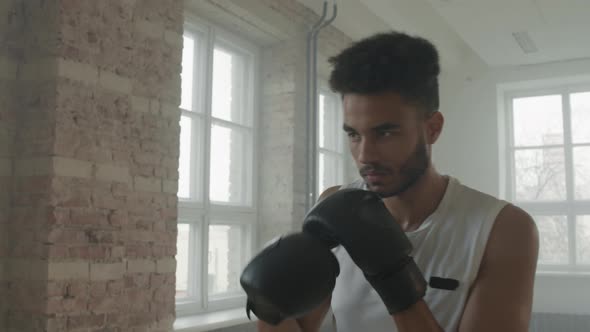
(478, 253)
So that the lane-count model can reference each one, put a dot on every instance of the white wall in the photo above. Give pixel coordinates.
(469, 149)
(467, 146)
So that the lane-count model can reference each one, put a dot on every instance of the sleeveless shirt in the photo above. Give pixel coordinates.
(449, 244)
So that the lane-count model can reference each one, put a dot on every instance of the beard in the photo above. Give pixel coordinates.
(409, 173)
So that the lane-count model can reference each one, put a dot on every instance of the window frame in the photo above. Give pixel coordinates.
(342, 154)
(571, 208)
(201, 212)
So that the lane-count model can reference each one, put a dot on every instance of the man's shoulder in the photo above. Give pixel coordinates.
(508, 216)
(328, 192)
(470, 191)
(514, 220)
(359, 184)
(514, 233)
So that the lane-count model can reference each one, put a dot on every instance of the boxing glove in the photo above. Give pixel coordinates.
(289, 278)
(359, 221)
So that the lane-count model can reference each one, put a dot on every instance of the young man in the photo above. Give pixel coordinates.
(478, 253)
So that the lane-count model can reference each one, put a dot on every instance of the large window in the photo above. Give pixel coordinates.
(217, 208)
(332, 153)
(549, 171)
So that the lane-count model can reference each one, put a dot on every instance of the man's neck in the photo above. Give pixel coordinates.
(414, 205)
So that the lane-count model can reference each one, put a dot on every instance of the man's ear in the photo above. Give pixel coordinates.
(434, 126)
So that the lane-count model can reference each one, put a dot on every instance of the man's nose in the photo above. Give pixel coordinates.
(367, 152)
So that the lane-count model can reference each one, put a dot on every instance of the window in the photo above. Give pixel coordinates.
(217, 208)
(549, 171)
(332, 156)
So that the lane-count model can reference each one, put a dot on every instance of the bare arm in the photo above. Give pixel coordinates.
(310, 322)
(501, 297)
(288, 325)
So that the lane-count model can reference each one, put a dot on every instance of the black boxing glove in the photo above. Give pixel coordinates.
(289, 278)
(359, 221)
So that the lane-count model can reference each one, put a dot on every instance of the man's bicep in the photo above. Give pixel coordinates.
(501, 297)
(311, 322)
(497, 305)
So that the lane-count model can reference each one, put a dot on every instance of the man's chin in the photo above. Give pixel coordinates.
(381, 189)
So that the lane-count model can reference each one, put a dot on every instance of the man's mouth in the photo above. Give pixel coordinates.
(374, 176)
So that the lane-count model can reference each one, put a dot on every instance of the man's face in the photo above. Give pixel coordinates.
(387, 141)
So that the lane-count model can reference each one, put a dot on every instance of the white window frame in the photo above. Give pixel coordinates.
(341, 153)
(570, 207)
(200, 214)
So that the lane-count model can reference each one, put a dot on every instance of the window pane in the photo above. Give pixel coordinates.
(230, 97)
(187, 74)
(227, 244)
(553, 233)
(182, 259)
(583, 239)
(322, 120)
(328, 123)
(539, 175)
(538, 121)
(231, 169)
(185, 157)
(188, 171)
(580, 103)
(582, 172)
(330, 171)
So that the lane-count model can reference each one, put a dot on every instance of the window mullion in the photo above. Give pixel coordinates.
(204, 255)
(328, 151)
(569, 168)
(232, 125)
(195, 251)
(511, 179)
(539, 147)
(578, 145)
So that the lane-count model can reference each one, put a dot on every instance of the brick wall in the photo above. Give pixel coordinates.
(92, 222)
(89, 150)
(282, 90)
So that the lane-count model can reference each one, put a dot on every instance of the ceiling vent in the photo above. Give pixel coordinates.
(526, 43)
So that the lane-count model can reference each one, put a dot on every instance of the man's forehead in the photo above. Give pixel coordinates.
(374, 116)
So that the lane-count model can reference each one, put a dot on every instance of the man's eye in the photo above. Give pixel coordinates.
(385, 133)
(353, 136)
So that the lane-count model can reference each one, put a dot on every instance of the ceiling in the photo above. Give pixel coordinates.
(549, 30)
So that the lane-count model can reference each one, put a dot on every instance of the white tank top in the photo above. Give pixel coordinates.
(449, 244)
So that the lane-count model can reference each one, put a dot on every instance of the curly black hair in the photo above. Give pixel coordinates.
(389, 62)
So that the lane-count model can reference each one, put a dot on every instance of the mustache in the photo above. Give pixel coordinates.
(374, 169)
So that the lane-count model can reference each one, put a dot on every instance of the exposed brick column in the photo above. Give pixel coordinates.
(283, 96)
(93, 215)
